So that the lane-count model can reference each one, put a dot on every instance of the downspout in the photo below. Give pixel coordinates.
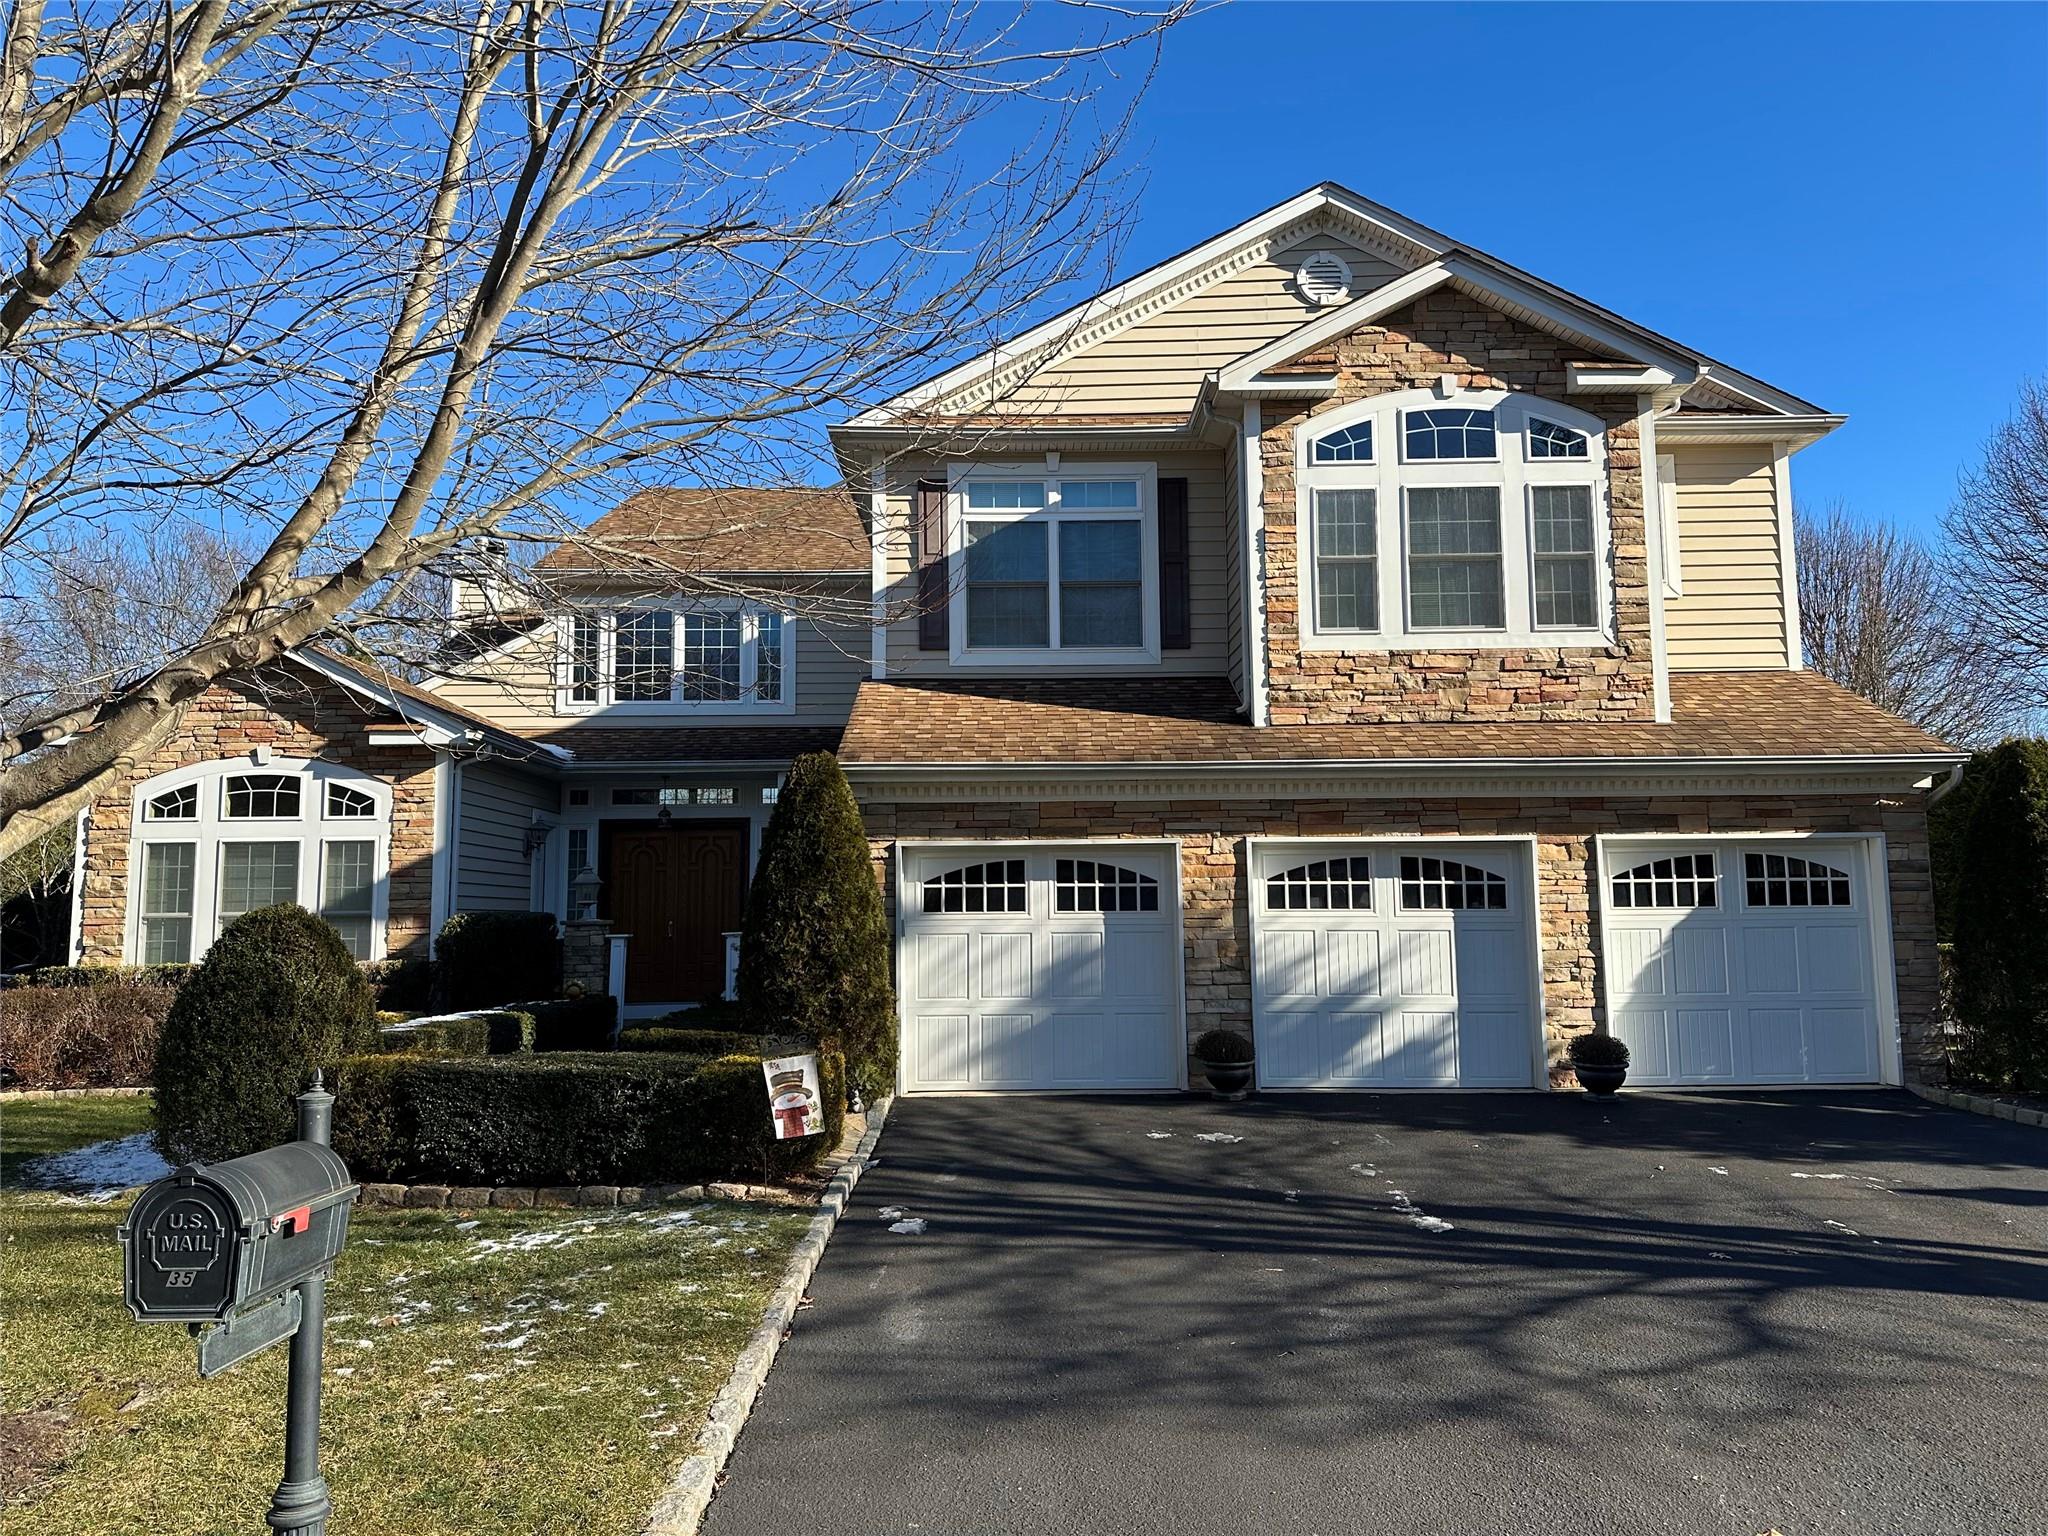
(1252, 495)
(1955, 777)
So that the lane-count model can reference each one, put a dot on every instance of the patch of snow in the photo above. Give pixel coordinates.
(1840, 1227)
(518, 1343)
(1820, 1175)
(464, 1226)
(344, 1370)
(1159, 1135)
(892, 1213)
(1365, 1170)
(914, 1227)
(1721, 1171)
(1216, 1136)
(1418, 1216)
(99, 1171)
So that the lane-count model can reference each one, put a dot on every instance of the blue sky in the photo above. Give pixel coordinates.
(1848, 201)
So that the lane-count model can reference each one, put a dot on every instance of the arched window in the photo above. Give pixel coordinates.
(1684, 881)
(1087, 885)
(1438, 885)
(1326, 885)
(1786, 880)
(1488, 527)
(215, 840)
(997, 886)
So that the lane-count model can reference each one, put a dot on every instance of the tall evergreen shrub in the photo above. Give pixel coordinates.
(814, 954)
(276, 996)
(2001, 908)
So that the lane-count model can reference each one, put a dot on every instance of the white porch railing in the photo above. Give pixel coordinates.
(732, 966)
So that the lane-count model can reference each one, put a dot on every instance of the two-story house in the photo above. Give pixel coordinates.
(1332, 633)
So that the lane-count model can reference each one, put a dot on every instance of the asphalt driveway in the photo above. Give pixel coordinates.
(1740, 1313)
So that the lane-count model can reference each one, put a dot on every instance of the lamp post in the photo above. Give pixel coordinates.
(583, 889)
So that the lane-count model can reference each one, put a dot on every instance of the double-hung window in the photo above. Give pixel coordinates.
(1057, 564)
(713, 656)
(216, 840)
(1473, 519)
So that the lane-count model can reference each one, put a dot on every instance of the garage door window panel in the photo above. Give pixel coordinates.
(1446, 885)
(1322, 885)
(997, 886)
(1784, 880)
(1090, 885)
(1682, 882)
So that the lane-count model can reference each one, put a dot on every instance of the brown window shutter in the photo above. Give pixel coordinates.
(1176, 621)
(933, 589)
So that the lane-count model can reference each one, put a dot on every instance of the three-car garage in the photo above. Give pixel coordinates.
(1391, 963)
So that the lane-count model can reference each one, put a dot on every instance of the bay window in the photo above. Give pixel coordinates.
(1470, 518)
(1061, 565)
(215, 840)
(709, 657)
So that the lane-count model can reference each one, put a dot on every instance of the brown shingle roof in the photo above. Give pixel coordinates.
(655, 745)
(811, 529)
(1195, 720)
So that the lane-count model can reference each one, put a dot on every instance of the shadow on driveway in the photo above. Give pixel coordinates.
(1721, 1312)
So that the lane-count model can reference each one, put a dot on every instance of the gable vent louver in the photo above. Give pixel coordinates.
(1324, 278)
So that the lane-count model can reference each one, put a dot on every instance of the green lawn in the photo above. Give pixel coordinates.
(35, 1127)
(502, 1371)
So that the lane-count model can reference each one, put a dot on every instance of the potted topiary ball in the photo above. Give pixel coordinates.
(1600, 1062)
(1226, 1059)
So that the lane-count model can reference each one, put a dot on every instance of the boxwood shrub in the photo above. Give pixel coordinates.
(711, 1042)
(488, 959)
(500, 1032)
(568, 1118)
(572, 1023)
(403, 985)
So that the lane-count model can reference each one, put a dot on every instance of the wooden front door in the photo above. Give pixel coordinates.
(677, 891)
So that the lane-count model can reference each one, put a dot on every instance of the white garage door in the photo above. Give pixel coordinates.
(1742, 962)
(1393, 965)
(1050, 967)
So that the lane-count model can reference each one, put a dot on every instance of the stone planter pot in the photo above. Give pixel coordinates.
(1228, 1079)
(1600, 1080)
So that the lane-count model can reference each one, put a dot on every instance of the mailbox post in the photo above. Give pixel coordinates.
(239, 1252)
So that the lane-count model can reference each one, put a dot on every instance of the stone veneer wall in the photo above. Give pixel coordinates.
(295, 714)
(1445, 333)
(1216, 915)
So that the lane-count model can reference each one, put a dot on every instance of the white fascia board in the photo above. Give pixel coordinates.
(1797, 431)
(1736, 382)
(1918, 762)
(1595, 379)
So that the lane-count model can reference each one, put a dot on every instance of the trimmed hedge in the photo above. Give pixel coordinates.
(102, 1035)
(568, 1118)
(502, 1032)
(99, 976)
(488, 959)
(720, 1014)
(2001, 961)
(404, 985)
(277, 995)
(572, 1023)
(711, 1042)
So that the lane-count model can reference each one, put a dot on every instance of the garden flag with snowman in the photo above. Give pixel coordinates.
(795, 1101)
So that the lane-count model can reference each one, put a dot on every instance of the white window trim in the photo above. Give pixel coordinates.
(1147, 517)
(1511, 471)
(212, 830)
(607, 701)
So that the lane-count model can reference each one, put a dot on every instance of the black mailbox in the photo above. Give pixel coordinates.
(213, 1239)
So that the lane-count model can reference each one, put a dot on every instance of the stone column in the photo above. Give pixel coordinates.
(586, 952)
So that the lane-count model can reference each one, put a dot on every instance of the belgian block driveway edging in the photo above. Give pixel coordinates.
(1978, 1104)
(681, 1505)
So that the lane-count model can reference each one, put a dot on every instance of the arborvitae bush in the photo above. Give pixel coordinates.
(277, 996)
(2001, 896)
(814, 955)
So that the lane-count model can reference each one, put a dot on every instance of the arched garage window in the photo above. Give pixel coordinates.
(1784, 880)
(1679, 883)
(997, 886)
(1326, 885)
(1437, 885)
(1086, 885)
(215, 840)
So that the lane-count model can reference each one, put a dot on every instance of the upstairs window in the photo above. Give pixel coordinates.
(1057, 565)
(706, 657)
(346, 803)
(1488, 530)
(1448, 432)
(261, 796)
(180, 804)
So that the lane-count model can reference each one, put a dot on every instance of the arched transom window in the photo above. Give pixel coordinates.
(1439, 885)
(1681, 882)
(215, 840)
(1090, 885)
(1786, 880)
(997, 886)
(1475, 519)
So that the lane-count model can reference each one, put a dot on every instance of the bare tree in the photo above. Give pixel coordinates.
(371, 281)
(1998, 545)
(1876, 616)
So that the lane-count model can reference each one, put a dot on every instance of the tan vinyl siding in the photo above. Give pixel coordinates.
(1732, 614)
(1211, 550)
(517, 688)
(1158, 364)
